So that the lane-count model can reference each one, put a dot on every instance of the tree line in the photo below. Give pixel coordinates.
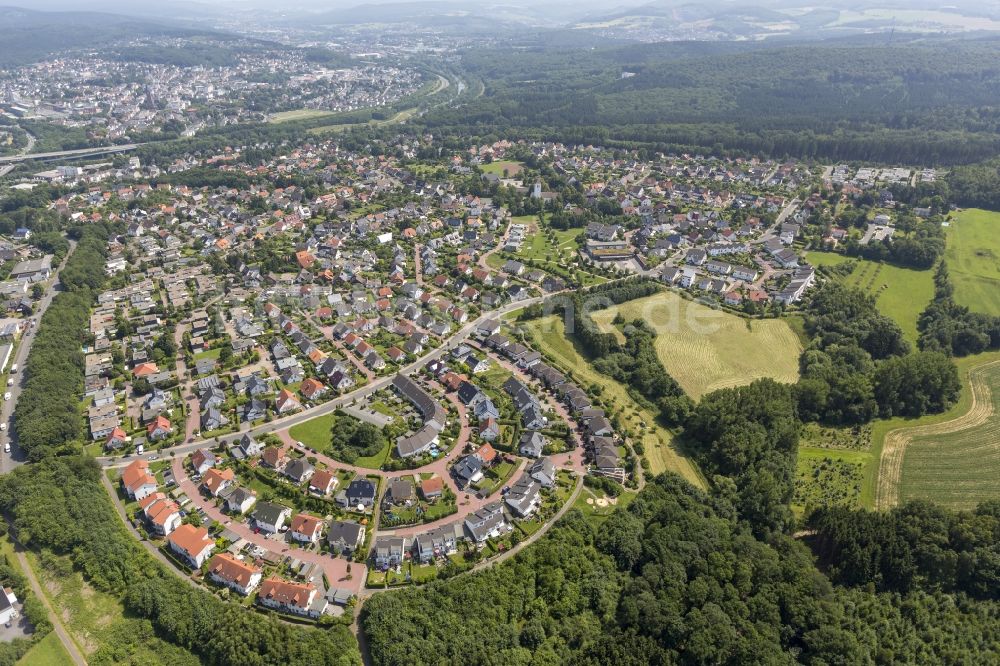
(951, 328)
(47, 416)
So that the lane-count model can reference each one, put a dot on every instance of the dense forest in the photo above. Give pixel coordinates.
(926, 101)
(916, 546)
(674, 578)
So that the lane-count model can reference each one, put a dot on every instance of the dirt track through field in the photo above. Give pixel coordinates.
(894, 447)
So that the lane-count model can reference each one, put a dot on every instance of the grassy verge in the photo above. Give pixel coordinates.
(47, 652)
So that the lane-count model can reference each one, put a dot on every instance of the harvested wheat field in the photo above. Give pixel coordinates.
(706, 349)
(955, 463)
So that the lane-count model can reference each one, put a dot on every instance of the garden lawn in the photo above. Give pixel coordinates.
(314, 433)
(706, 349)
(549, 338)
(973, 256)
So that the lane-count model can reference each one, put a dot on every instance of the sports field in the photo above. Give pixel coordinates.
(706, 349)
(901, 293)
(973, 256)
(549, 337)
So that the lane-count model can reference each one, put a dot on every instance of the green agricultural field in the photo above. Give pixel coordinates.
(549, 338)
(973, 256)
(890, 438)
(706, 349)
(901, 293)
(957, 463)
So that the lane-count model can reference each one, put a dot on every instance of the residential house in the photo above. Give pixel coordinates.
(288, 597)
(361, 492)
(240, 501)
(159, 429)
(299, 470)
(532, 444)
(345, 537)
(306, 528)
(388, 552)
(137, 481)
(323, 482)
(191, 543)
(235, 574)
(202, 460)
(271, 517)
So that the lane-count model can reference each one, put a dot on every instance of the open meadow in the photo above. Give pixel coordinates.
(549, 337)
(901, 293)
(973, 256)
(706, 349)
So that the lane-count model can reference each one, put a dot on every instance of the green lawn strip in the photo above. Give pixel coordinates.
(882, 426)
